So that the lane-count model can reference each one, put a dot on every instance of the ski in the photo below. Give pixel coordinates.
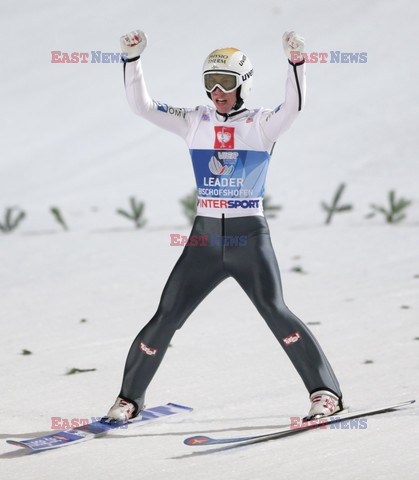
(200, 440)
(91, 430)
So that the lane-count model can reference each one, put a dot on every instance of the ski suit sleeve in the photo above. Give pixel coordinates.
(275, 122)
(176, 120)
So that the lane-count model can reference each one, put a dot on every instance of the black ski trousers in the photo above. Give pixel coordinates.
(240, 248)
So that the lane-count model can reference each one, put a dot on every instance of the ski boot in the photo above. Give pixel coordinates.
(122, 411)
(324, 404)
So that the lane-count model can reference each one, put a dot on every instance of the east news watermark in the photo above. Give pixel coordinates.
(213, 240)
(57, 56)
(334, 56)
(97, 56)
(59, 423)
(332, 423)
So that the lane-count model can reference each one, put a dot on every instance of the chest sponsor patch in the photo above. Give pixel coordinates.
(224, 138)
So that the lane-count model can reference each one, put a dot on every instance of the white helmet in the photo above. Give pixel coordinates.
(229, 69)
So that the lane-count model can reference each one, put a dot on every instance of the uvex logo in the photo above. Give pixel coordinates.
(247, 75)
(292, 338)
(147, 350)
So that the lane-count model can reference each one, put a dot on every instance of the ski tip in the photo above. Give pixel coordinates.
(16, 443)
(404, 404)
(176, 405)
(197, 440)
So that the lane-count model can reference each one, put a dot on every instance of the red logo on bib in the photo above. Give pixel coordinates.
(224, 138)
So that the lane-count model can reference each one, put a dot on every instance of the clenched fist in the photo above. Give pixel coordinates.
(292, 42)
(133, 44)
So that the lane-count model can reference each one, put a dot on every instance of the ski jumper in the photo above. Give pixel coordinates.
(230, 156)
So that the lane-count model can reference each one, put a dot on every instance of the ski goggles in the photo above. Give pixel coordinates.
(227, 82)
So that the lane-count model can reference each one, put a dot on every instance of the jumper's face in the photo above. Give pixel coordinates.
(223, 102)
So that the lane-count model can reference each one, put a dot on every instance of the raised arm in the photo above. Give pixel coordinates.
(275, 122)
(176, 120)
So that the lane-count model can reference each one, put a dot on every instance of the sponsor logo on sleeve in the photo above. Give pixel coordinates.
(277, 109)
(162, 107)
(177, 112)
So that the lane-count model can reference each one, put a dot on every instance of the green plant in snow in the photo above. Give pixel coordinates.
(269, 209)
(56, 213)
(298, 269)
(12, 217)
(73, 371)
(136, 214)
(395, 212)
(335, 207)
(189, 206)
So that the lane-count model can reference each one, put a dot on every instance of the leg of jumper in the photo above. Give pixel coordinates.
(256, 270)
(198, 271)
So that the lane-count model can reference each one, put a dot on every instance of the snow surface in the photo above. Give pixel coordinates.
(68, 139)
